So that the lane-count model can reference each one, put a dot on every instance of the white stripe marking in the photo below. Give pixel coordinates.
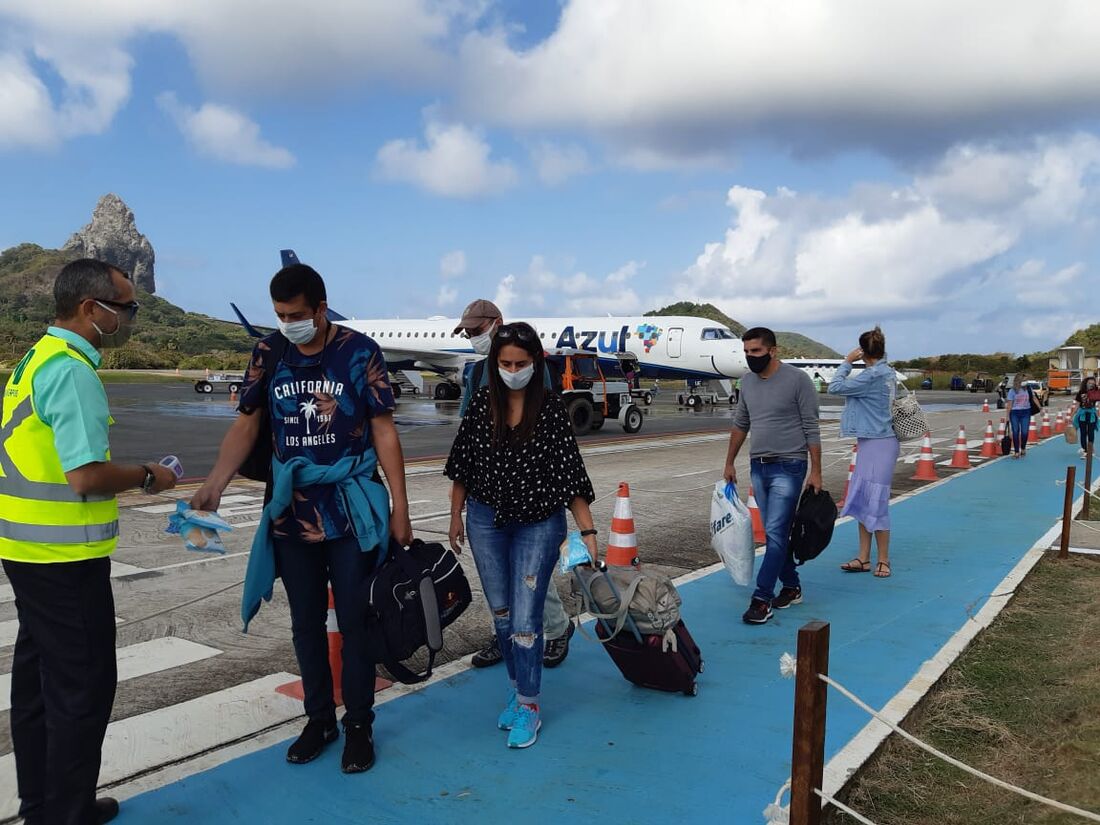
(163, 509)
(140, 660)
(622, 540)
(143, 742)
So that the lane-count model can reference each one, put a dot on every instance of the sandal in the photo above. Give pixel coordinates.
(879, 568)
(856, 565)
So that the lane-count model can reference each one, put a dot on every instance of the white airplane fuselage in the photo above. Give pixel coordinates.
(666, 346)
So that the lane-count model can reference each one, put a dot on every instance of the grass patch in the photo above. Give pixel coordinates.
(1022, 703)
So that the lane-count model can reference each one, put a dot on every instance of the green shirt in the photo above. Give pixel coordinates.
(71, 400)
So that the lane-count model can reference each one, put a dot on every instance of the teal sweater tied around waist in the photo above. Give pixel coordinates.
(368, 504)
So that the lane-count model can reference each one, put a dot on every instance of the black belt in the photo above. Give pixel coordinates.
(772, 459)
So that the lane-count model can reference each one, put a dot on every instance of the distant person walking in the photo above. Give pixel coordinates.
(478, 323)
(516, 466)
(1086, 416)
(867, 418)
(1019, 400)
(778, 403)
(58, 528)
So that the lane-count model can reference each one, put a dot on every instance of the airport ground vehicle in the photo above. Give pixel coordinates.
(981, 382)
(590, 396)
(1066, 370)
(232, 383)
(958, 382)
(926, 384)
(702, 392)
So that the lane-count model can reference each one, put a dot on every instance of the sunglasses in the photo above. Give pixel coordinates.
(509, 331)
(132, 307)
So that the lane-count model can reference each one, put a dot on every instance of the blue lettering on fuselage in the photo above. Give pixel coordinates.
(591, 340)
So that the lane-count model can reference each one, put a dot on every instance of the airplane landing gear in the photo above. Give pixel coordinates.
(446, 391)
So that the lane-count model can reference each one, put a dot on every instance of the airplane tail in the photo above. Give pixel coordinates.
(290, 257)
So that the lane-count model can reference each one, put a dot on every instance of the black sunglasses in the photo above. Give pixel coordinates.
(132, 307)
(523, 333)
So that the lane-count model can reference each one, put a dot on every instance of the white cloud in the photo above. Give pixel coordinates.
(541, 290)
(506, 294)
(817, 74)
(453, 162)
(556, 163)
(453, 264)
(942, 243)
(224, 134)
(447, 296)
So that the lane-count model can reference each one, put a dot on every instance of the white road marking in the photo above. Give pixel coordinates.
(140, 660)
(141, 743)
(164, 509)
(695, 473)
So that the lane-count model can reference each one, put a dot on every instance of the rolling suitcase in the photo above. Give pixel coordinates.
(642, 661)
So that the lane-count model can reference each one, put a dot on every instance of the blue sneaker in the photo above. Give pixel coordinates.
(507, 716)
(525, 727)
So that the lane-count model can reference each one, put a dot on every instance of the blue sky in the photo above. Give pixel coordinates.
(812, 166)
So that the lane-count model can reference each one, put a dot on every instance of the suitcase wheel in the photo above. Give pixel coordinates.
(701, 665)
(692, 691)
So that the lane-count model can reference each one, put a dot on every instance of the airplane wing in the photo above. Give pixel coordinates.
(255, 332)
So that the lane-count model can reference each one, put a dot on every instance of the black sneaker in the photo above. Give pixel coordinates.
(557, 649)
(308, 746)
(759, 612)
(787, 596)
(358, 749)
(106, 809)
(489, 656)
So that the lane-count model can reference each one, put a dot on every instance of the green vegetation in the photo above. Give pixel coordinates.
(1020, 704)
(165, 337)
(1089, 338)
(792, 344)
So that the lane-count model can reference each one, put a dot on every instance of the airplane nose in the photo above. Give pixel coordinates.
(730, 362)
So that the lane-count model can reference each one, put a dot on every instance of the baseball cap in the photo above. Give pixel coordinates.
(477, 313)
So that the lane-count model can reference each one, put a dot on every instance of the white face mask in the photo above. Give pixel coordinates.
(298, 332)
(519, 379)
(484, 342)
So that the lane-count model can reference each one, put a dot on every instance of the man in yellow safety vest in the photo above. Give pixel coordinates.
(58, 527)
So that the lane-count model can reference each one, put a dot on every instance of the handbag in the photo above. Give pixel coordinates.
(408, 601)
(1071, 434)
(1006, 439)
(257, 464)
(812, 527)
(1035, 408)
(906, 416)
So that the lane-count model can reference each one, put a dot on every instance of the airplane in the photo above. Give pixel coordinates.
(666, 346)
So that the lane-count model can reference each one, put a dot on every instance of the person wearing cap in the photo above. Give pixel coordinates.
(478, 323)
(58, 528)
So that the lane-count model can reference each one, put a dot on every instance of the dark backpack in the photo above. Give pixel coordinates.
(812, 528)
(257, 466)
(410, 599)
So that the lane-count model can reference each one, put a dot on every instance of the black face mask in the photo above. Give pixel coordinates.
(759, 363)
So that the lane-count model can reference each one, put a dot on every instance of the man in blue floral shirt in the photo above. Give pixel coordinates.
(327, 393)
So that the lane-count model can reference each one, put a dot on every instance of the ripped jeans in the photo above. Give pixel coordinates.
(516, 564)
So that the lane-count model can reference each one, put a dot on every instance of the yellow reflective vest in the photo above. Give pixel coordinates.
(41, 518)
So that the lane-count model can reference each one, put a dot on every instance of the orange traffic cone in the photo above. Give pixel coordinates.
(989, 447)
(759, 536)
(1045, 431)
(232, 396)
(960, 459)
(1059, 424)
(851, 469)
(622, 544)
(926, 464)
(177, 372)
(985, 405)
(1032, 432)
(1000, 431)
(335, 661)
(208, 372)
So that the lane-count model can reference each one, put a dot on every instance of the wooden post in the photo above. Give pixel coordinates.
(1067, 512)
(808, 752)
(1088, 484)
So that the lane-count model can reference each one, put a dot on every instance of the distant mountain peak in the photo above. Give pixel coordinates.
(113, 236)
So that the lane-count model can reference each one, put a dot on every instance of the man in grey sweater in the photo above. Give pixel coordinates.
(779, 405)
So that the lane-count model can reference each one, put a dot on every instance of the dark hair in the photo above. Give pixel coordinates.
(80, 280)
(523, 336)
(873, 343)
(298, 279)
(762, 333)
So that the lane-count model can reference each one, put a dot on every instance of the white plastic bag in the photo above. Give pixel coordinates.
(731, 532)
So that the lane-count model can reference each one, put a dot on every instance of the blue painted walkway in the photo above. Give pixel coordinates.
(616, 753)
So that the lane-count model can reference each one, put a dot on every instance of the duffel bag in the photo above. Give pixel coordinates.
(614, 593)
(409, 600)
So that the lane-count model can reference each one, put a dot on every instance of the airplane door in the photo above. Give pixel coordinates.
(675, 339)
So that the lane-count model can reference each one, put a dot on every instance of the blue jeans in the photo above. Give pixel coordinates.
(516, 564)
(777, 486)
(306, 570)
(1021, 422)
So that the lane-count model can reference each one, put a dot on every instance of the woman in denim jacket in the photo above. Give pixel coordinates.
(867, 417)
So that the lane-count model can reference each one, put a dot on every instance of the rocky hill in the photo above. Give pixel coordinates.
(113, 236)
(792, 344)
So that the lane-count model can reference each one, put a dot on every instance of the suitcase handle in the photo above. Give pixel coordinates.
(622, 616)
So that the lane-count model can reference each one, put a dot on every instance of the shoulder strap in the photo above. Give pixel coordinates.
(478, 375)
(274, 355)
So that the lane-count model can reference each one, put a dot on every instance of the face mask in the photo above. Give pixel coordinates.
(484, 342)
(110, 340)
(758, 363)
(298, 332)
(519, 379)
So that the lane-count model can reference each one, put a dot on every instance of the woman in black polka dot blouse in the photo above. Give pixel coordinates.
(516, 467)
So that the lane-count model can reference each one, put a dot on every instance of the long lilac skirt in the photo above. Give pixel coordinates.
(868, 499)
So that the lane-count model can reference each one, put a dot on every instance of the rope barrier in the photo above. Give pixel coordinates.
(121, 625)
(841, 806)
(787, 668)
